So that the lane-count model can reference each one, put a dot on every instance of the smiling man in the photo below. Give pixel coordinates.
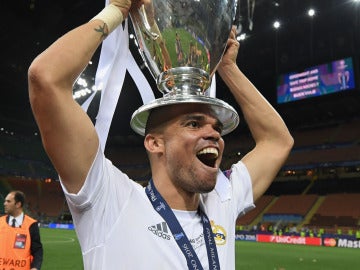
(185, 148)
(185, 218)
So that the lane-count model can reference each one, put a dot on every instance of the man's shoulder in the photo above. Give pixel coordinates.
(29, 219)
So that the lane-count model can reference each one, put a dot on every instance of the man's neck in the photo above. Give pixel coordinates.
(177, 198)
(17, 214)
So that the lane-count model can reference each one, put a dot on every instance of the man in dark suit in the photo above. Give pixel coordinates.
(20, 244)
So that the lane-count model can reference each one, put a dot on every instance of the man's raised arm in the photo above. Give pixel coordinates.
(272, 138)
(68, 134)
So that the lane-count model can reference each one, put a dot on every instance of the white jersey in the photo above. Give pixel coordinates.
(118, 228)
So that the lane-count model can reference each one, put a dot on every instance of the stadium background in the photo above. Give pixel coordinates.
(316, 193)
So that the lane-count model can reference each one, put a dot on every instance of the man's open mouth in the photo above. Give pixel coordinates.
(208, 156)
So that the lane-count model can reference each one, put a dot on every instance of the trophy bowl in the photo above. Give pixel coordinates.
(182, 43)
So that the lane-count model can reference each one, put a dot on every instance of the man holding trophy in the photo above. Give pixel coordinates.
(185, 218)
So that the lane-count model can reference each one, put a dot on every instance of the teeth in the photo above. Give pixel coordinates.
(209, 150)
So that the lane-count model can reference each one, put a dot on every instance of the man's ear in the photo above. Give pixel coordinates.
(153, 143)
(18, 204)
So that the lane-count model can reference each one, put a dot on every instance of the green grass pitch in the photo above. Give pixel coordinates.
(62, 251)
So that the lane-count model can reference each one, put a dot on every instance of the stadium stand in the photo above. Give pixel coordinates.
(319, 185)
(345, 131)
(263, 202)
(335, 185)
(132, 160)
(322, 170)
(24, 156)
(340, 205)
(45, 199)
(292, 204)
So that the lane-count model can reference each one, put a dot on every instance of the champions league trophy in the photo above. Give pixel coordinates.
(182, 43)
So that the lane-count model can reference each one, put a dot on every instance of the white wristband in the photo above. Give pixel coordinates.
(111, 15)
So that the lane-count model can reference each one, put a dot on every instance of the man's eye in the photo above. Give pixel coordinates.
(193, 124)
(218, 129)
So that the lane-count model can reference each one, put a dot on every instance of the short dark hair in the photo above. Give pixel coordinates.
(19, 196)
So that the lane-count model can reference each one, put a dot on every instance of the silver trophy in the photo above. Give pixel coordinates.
(182, 43)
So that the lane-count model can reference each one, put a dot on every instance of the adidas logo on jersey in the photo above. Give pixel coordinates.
(161, 230)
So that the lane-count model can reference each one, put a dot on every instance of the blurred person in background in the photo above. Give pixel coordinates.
(20, 243)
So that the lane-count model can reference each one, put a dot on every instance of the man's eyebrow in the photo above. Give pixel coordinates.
(198, 117)
(201, 117)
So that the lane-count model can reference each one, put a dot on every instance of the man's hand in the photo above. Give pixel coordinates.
(230, 55)
(126, 5)
(123, 5)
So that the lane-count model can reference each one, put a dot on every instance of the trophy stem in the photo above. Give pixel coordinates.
(185, 80)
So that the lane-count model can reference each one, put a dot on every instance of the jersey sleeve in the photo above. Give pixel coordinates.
(97, 206)
(242, 188)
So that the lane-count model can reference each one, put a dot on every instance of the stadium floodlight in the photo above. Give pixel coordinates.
(276, 24)
(311, 12)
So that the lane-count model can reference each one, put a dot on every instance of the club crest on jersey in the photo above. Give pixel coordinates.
(219, 233)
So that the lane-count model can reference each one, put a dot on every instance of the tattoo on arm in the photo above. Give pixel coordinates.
(103, 30)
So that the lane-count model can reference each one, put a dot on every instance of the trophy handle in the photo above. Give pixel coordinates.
(237, 17)
(146, 22)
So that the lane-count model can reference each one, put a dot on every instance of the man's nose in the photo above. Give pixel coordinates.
(211, 133)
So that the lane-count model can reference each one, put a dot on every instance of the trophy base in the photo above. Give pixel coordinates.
(225, 113)
(186, 80)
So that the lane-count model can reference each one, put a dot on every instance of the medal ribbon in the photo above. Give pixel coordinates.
(179, 235)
